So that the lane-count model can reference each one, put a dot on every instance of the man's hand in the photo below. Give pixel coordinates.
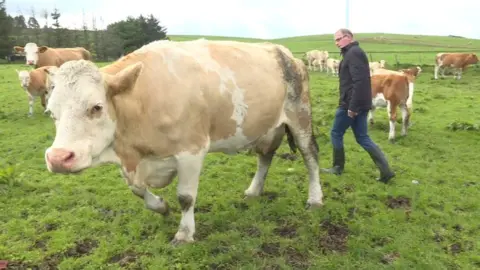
(352, 114)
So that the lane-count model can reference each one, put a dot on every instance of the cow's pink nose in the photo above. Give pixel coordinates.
(60, 158)
(30, 62)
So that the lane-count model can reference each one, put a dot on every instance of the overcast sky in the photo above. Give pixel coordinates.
(273, 18)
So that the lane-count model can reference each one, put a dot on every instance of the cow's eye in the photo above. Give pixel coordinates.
(96, 108)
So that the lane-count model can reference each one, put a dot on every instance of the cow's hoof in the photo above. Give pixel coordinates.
(177, 242)
(314, 205)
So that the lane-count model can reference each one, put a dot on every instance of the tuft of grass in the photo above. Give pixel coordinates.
(426, 218)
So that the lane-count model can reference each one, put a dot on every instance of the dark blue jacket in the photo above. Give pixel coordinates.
(354, 77)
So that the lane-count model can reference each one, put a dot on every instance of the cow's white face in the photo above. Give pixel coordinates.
(31, 53)
(24, 77)
(80, 109)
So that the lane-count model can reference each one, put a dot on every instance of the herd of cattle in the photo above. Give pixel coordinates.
(391, 88)
(159, 110)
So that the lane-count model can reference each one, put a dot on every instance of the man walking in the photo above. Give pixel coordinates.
(354, 103)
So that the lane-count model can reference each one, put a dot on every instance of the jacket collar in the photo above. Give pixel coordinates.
(346, 48)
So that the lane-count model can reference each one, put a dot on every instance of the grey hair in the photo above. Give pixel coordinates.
(345, 31)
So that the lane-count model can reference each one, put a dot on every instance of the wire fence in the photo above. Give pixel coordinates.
(400, 57)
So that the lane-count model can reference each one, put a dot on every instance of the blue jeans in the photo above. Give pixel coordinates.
(359, 127)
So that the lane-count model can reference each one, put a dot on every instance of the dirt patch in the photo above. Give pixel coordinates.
(269, 250)
(40, 244)
(456, 248)
(398, 202)
(286, 230)
(203, 208)
(50, 227)
(390, 257)
(252, 232)
(288, 156)
(336, 237)
(296, 258)
(270, 195)
(240, 206)
(124, 258)
(81, 248)
(381, 241)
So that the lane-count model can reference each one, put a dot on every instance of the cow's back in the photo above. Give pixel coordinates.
(223, 86)
(58, 56)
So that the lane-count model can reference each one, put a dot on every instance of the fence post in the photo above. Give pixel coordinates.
(396, 60)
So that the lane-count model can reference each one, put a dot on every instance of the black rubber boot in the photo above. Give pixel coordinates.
(338, 162)
(379, 158)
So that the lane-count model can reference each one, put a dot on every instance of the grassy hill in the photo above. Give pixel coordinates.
(426, 218)
(390, 47)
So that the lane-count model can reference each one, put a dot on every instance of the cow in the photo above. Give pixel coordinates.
(47, 56)
(392, 89)
(413, 71)
(158, 111)
(376, 64)
(320, 56)
(457, 61)
(36, 83)
(333, 65)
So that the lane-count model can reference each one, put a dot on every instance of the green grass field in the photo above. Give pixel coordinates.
(93, 221)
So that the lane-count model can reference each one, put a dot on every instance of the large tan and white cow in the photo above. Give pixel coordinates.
(456, 61)
(47, 56)
(36, 83)
(158, 111)
(316, 55)
(392, 89)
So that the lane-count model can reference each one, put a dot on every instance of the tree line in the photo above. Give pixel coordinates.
(117, 39)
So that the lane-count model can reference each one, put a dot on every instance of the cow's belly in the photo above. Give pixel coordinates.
(154, 172)
(232, 144)
(379, 100)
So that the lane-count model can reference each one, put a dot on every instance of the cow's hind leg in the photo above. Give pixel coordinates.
(405, 118)
(265, 148)
(392, 115)
(189, 169)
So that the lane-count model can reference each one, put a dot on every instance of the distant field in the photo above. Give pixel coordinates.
(374, 44)
(92, 220)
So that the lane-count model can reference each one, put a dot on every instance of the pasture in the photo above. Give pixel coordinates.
(93, 221)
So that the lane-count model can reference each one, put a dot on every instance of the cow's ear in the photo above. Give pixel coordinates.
(42, 49)
(18, 48)
(124, 80)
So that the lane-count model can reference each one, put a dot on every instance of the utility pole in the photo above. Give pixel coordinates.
(347, 14)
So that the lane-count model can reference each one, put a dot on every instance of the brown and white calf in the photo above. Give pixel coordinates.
(392, 89)
(36, 83)
(158, 111)
(47, 56)
(456, 61)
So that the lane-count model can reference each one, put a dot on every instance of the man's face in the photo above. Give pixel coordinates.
(341, 40)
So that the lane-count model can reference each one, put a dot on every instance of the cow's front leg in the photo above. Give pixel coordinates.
(31, 101)
(137, 186)
(189, 168)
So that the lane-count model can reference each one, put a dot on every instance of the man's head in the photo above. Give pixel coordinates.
(343, 37)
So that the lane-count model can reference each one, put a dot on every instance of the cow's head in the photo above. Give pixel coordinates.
(31, 52)
(24, 77)
(81, 107)
(49, 83)
(382, 63)
(472, 59)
